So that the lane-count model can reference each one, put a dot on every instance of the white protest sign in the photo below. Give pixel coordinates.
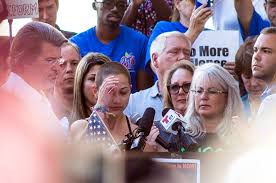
(22, 9)
(215, 47)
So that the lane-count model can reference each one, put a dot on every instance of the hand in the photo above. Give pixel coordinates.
(230, 67)
(107, 89)
(152, 145)
(197, 21)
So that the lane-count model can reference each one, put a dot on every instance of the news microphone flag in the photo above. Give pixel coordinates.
(169, 119)
(201, 2)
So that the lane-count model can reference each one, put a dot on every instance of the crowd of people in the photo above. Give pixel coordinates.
(58, 88)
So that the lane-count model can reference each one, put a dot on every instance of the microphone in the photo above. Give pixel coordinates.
(143, 130)
(136, 119)
(173, 123)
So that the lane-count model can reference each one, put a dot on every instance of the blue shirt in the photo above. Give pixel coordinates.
(140, 101)
(162, 27)
(256, 26)
(246, 105)
(128, 48)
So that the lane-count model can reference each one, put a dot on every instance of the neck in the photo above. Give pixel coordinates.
(184, 21)
(61, 103)
(211, 124)
(114, 121)
(160, 84)
(106, 33)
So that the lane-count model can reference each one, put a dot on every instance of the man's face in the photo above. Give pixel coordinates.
(111, 12)
(47, 12)
(66, 69)
(177, 48)
(41, 73)
(270, 8)
(264, 57)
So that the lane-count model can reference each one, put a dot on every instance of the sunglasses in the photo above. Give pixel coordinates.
(175, 88)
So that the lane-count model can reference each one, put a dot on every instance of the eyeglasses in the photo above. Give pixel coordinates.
(174, 88)
(209, 91)
(109, 4)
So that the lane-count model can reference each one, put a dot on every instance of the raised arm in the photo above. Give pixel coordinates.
(131, 13)
(244, 10)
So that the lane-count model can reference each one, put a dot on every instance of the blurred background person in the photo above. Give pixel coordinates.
(142, 15)
(85, 85)
(254, 87)
(48, 14)
(113, 91)
(213, 102)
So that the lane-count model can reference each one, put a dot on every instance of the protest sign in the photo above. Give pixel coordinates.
(22, 9)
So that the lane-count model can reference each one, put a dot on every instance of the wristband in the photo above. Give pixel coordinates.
(100, 108)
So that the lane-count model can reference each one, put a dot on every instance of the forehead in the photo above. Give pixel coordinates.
(206, 81)
(266, 40)
(181, 74)
(49, 50)
(178, 42)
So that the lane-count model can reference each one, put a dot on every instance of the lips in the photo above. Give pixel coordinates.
(256, 67)
(115, 108)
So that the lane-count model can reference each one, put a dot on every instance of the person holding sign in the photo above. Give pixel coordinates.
(214, 107)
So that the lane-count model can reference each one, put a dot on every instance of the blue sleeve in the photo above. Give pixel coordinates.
(80, 41)
(143, 53)
(256, 26)
(158, 29)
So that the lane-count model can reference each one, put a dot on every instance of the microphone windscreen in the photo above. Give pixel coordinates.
(164, 112)
(147, 121)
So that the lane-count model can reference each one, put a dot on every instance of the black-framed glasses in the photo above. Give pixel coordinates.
(174, 88)
(209, 91)
(109, 4)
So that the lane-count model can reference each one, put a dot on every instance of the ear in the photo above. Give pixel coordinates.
(176, 3)
(154, 61)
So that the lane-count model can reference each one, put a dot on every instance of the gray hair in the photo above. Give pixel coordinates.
(234, 107)
(27, 43)
(159, 43)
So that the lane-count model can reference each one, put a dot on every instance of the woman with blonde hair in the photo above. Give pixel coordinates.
(214, 108)
(85, 86)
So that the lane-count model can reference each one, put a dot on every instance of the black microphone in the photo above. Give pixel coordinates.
(136, 119)
(143, 130)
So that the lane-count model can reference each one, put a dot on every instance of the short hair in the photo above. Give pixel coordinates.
(159, 43)
(269, 30)
(111, 68)
(243, 58)
(56, 1)
(72, 45)
(27, 43)
(79, 110)
(186, 65)
(234, 107)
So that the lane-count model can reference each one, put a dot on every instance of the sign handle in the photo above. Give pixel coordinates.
(10, 28)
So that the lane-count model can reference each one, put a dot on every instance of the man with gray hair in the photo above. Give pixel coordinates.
(167, 49)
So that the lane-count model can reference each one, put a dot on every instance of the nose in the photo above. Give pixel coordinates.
(44, 14)
(253, 82)
(69, 68)
(116, 99)
(257, 56)
(204, 95)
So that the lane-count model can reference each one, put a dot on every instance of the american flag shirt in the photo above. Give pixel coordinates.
(97, 132)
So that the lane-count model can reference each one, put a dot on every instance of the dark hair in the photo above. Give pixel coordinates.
(56, 1)
(27, 43)
(244, 56)
(111, 68)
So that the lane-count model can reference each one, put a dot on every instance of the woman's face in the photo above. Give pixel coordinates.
(210, 100)
(89, 86)
(179, 88)
(253, 86)
(120, 95)
(185, 8)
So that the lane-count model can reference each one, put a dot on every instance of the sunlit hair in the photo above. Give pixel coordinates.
(159, 44)
(175, 14)
(80, 110)
(72, 45)
(111, 68)
(26, 45)
(214, 73)
(186, 65)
